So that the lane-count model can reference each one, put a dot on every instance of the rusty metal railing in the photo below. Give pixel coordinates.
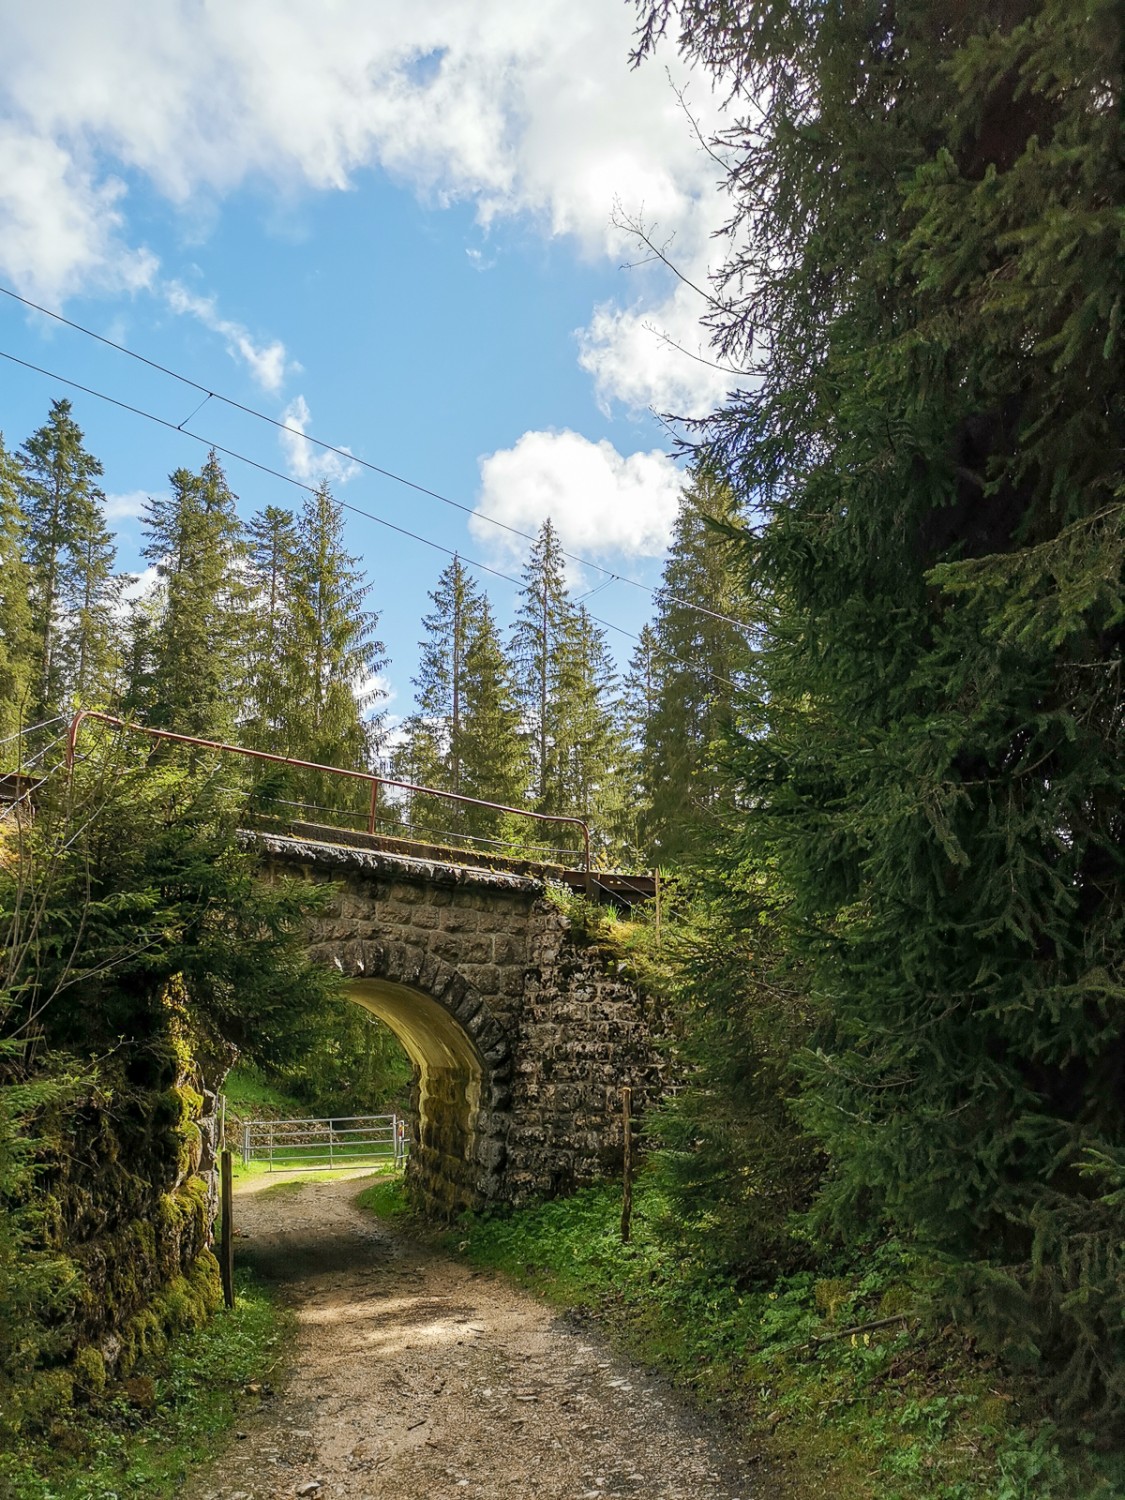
(374, 781)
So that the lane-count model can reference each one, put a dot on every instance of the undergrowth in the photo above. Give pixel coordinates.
(145, 1436)
(836, 1378)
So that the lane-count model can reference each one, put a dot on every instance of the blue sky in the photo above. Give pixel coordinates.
(394, 230)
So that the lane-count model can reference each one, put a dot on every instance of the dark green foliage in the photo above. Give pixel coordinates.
(16, 641)
(565, 684)
(735, 1162)
(925, 263)
(70, 559)
(699, 652)
(194, 539)
(896, 1410)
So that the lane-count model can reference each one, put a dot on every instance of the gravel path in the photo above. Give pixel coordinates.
(416, 1378)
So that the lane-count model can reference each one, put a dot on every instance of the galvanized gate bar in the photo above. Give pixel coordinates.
(334, 1143)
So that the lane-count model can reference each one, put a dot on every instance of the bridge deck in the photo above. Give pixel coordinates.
(617, 886)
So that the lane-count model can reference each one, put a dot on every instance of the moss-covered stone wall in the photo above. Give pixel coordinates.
(124, 1194)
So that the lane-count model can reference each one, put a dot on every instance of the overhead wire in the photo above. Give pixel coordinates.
(300, 484)
(346, 453)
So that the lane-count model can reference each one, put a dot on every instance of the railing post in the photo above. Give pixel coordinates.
(373, 810)
(226, 1228)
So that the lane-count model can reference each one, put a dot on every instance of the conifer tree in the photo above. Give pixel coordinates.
(272, 668)
(700, 651)
(924, 239)
(544, 621)
(70, 557)
(494, 761)
(16, 642)
(635, 706)
(195, 540)
(92, 635)
(464, 736)
(336, 654)
(587, 754)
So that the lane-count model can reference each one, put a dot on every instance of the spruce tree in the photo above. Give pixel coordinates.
(195, 540)
(636, 704)
(701, 649)
(924, 241)
(335, 654)
(544, 621)
(464, 735)
(272, 668)
(92, 636)
(587, 753)
(70, 559)
(565, 683)
(494, 760)
(16, 640)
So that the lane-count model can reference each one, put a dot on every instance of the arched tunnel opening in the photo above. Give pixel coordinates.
(450, 1083)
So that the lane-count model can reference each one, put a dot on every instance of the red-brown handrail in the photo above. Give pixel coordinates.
(309, 765)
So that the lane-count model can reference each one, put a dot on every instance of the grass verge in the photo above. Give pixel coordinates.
(146, 1436)
(833, 1380)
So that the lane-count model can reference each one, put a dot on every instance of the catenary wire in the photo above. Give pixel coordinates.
(421, 489)
(311, 489)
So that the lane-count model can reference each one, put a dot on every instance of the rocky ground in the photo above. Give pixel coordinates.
(416, 1378)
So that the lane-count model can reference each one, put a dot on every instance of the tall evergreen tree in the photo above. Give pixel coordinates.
(494, 760)
(194, 538)
(337, 655)
(92, 636)
(464, 736)
(925, 240)
(565, 682)
(587, 755)
(544, 622)
(272, 667)
(701, 650)
(70, 557)
(16, 640)
(635, 706)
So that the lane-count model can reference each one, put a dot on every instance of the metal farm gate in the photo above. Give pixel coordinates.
(325, 1145)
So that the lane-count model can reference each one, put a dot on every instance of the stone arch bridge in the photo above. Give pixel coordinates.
(521, 1033)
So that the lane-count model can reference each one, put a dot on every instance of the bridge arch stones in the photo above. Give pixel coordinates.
(521, 1035)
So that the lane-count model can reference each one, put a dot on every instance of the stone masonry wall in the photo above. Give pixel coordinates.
(552, 1029)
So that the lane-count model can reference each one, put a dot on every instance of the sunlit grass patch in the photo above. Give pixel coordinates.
(147, 1436)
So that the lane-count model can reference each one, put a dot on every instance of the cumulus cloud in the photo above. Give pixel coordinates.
(602, 503)
(61, 227)
(126, 507)
(267, 363)
(304, 460)
(519, 109)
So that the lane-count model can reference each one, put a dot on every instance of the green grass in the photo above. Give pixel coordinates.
(386, 1199)
(250, 1097)
(902, 1411)
(147, 1437)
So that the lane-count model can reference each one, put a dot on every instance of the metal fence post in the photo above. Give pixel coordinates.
(245, 1145)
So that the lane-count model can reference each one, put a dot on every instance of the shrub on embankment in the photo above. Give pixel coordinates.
(140, 953)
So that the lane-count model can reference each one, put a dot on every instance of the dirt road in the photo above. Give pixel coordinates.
(415, 1378)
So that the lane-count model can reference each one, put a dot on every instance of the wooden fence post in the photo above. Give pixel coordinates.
(226, 1227)
(627, 1163)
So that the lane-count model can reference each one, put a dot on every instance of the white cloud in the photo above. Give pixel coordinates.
(142, 586)
(601, 503)
(61, 228)
(521, 109)
(267, 363)
(304, 460)
(126, 507)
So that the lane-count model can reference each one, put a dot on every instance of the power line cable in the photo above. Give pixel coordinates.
(345, 453)
(299, 484)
